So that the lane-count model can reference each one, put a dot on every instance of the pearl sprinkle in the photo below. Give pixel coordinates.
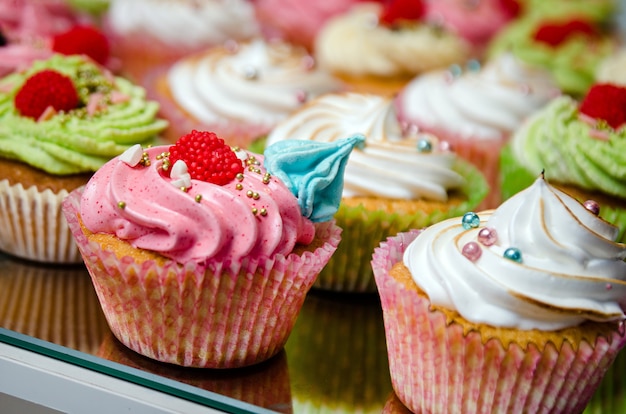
(424, 145)
(470, 220)
(487, 236)
(472, 251)
(592, 206)
(513, 254)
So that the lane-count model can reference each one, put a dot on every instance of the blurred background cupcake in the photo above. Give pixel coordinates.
(581, 145)
(476, 108)
(61, 120)
(398, 180)
(377, 48)
(569, 38)
(239, 91)
(519, 307)
(145, 33)
(337, 355)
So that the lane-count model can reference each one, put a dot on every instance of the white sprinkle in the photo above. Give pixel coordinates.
(132, 155)
(179, 169)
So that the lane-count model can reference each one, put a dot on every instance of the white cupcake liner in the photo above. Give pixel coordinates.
(33, 226)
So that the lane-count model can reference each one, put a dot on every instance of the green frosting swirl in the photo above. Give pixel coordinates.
(573, 63)
(556, 140)
(77, 142)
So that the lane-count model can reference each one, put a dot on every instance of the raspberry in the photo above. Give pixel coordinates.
(607, 102)
(555, 33)
(512, 8)
(395, 11)
(82, 40)
(207, 157)
(44, 89)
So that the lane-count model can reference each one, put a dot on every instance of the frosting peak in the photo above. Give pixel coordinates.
(566, 268)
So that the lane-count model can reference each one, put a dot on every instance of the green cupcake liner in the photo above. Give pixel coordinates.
(514, 178)
(349, 269)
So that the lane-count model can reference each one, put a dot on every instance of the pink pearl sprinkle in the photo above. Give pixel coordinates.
(445, 146)
(487, 236)
(592, 206)
(472, 251)
(609, 286)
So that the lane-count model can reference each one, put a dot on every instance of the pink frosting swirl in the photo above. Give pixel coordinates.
(207, 222)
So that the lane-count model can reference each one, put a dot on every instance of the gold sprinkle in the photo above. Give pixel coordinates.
(266, 180)
(255, 195)
(198, 198)
(263, 212)
(121, 204)
(239, 186)
(183, 189)
(254, 210)
(239, 176)
(235, 148)
(249, 193)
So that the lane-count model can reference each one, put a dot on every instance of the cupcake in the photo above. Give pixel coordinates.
(201, 255)
(146, 33)
(475, 21)
(397, 181)
(322, 369)
(377, 48)
(570, 46)
(60, 120)
(581, 146)
(477, 109)
(517, 307)
(34, 30)
(297, 21)
(239, 91)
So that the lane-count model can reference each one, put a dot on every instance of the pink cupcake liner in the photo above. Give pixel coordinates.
(436, 368)
(224, 315)
(33, 226)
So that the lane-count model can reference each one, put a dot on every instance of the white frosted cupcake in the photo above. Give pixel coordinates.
(399, 180)
(239, 91)
(477, 109)
(519, 307)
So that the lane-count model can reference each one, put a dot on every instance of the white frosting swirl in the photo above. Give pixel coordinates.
(353, 43)
(390, 164)
(485, 104)
(190, 23)
(257, 82)
(571, 269)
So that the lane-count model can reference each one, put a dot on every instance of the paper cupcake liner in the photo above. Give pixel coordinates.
(330, 335)
(226, 315)
(349, 270)
(436, 368)
(264, 385)
(33, 226)
(393, 405)
(515, 178)
(610, 396)
(235, 132)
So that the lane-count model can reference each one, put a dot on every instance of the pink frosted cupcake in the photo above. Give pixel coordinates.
(510, 310)
(239, 91)
(34, 30)
(477, 110)
(475, 21)
(201, 255)
(145, 33)
(297, 21)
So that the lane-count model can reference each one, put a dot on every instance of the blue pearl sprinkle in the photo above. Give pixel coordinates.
(424, 145)
(470, 220)
(473, 65)
(513, 253)
(455, 70)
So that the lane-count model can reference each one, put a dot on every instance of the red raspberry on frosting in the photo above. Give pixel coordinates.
(207, 157)
(82, 40)
(47, 88)
(607, 102)
(555, 33)
(395, 11)
(512, 8)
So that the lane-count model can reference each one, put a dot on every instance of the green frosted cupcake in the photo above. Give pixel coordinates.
(60, 120)
(399, 180)
(570, 40)
(581, 147)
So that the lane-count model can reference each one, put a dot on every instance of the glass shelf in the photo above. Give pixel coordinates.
(335, 359)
